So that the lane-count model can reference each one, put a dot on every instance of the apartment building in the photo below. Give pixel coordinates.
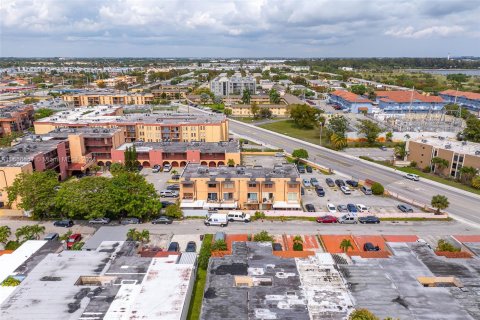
(232, 99)
(84, 99)
(235, 85)
(408, 102)
(112, 82)
(250, 188)
(179, 154)
(245, 110)
(350, 101)
(469, 100)
(458, 154)
(170, 92)
(15, 118)
(174, 127)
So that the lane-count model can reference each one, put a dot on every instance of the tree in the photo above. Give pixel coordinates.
(467, 173)
(140, 236)
(231, 163)
(377, 189)
(121, 85)
(304, 116)
(43, 113)
(200, 91)
(389, 136)
(476, 182)
(359, 89)
(457, 78)
(95, 168)
(34, 191)
(362, 314)
(274, 96)
(338, 125)
(227, 111)
(372, 95)
(30, 100)
(246, 96)
(254, 109)
(204, 98)
(5, 233)
(265, 113)
(439, 163)
(219, 245)
(297, 243)
(472, 130)
(263, 236)
(443, 245)
(116, 168)
(345, 245)
(130, 156)
(29, 232)
(101, 84)
(174, 211)
(400, 150)
(439, 202)
(300, 154)
(217, 100)
(205, 252)
(338, 142)
(369, 129)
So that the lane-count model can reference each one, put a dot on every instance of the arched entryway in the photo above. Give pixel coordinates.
(220, 163)
(100, 163)
(174, 164)
(108, 163)
(204, 163)
(212, 164)
(183, 164)
(146, 164)
(165, 162)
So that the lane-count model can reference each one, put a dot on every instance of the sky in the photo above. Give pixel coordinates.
(243, 28)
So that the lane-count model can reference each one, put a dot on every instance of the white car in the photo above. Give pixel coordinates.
(331, 208)
(345, 190)
(362, 208)
(412, 176)
(167, 167)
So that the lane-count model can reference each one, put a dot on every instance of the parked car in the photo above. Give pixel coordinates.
(331, 208)
(279, 155)
(345, 190)
(327, 219)
(51, 236)
(191, 247)
(352, 208)
(366, 190)
(320, 191)
(173, 247)
(342, 208)
(383, 148)
(167, 167)
(173, 187)
(330, 182)
(277, 246)
(169, 193)
(162, 220)
(352, 183)
(310, 207)
(130, 221)
(368, 246)
(99, 221)
(74, 238)
(306, 183)
(302, 191)
(238, 216)
(362, 208)
(166, 204)
(339, 183)
(63, 223)
(176, 177)
(156, 168)
(314, 182)
(309, 169)
(404, 208)
(301, 168)
(348, 219)
(369, 219)
(219, 236)
(412, 176)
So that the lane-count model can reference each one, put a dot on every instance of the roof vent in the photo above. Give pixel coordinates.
(448, 146)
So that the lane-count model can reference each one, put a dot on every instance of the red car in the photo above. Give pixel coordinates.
(327, 219)
(74, 238)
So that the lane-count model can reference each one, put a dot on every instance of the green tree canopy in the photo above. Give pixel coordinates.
(27, 232)
(440, 202)
(246, 96)
(304, 116)
(370, 130)
(174, 211)
(43, 113)
(5, 233)
(472, 130)
(274, 96)
(300, 153)
(337, 124)
(362, 314)
(121, 86)
(358, 89)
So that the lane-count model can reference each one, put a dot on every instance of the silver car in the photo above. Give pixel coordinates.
(348, 219)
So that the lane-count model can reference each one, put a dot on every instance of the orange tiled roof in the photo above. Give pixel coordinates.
(405, 97)
(468, 95)
(349, 96)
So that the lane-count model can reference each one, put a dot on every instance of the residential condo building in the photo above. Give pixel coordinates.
(15, 119)
(235, 85)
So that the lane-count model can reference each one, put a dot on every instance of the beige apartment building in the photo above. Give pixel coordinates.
(105, 98)
(458, 154)
(173, 127)
(245, 110)
(249, 188)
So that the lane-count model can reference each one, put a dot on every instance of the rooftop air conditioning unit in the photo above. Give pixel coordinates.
(448, 146)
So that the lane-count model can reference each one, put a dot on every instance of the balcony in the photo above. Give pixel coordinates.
(216, 156)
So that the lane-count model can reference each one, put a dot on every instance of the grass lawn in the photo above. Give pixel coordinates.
(287, 127)
(197, 297)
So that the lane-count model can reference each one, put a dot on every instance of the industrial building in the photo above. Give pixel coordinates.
(469, 100)
(408, 102)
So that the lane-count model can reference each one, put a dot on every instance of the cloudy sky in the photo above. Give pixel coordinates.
(244, 28)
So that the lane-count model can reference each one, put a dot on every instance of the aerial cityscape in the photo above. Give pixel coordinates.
(260, 160)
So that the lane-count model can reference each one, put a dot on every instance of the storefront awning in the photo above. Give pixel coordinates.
(285, 205)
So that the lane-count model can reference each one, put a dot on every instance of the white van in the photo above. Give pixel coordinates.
(238, 216)
(216, 219)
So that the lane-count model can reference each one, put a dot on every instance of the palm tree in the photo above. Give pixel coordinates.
(345, 245)
(400, 150)
(467, 173)
(132, 234)
(338, 142)
(407, 136)
(297, 243)
(389, 136)
(144, 236)
(29, 232)
(439, 163)
(5, 233)
(440, 202)
(36, 230)
(174, 172)
(231, 163)
(476, 182)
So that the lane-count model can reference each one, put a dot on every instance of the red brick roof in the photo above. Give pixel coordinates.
(405, 97)
(468, 95)
(350, 97)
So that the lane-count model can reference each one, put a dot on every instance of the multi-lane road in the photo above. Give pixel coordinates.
(464, 206)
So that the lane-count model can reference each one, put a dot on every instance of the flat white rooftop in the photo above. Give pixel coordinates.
(462, 147)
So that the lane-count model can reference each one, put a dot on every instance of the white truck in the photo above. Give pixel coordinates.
(238, 216)
(216, 219)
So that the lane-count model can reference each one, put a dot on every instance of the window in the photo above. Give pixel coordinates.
(228, 196)
(252, 196)
(228, 185)
(188, 195)
(212, 185)
(268, 185)
(460, 159)
(292, 196)
(212, 196)
(455, 158)
(252, 184)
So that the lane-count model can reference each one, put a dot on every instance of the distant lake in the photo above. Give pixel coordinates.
(469, 72)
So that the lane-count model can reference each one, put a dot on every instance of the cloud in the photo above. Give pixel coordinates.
(410, 32)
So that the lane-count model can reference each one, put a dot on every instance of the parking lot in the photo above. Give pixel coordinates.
(264, 161)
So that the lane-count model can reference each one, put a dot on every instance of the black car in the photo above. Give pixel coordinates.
(173, 247)
(320, 192)
(330, 182)
(369, 219)
(309, 169)
(301, 169)
(166, 204)
(173, 187)
(352, 183)
(63, 223)
(404, 208)
(340, 183)
(310, 207)
(368, 246)
(162, 220)
(191, 247)
(176, 177)
(277, 246)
